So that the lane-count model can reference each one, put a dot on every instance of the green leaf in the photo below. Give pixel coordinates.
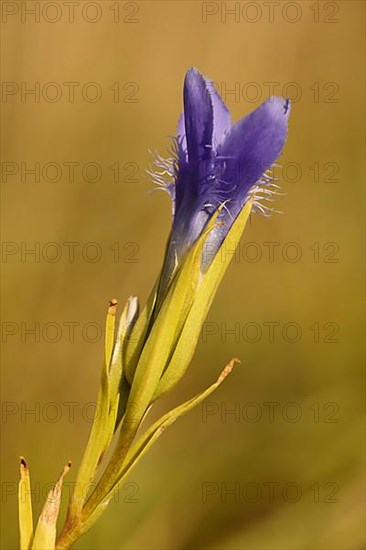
(25, 507)
(117, 366)
(100, 434)
(137, 336)
(110, 406)
(45, 535)
(205, 294)
(165, 331)
(109, 334)
(154, 357)
(124, 392)
(143, 444)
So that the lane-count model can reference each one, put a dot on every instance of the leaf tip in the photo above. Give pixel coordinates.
(112, 307)
(227, 370)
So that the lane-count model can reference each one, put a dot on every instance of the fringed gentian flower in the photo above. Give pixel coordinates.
(218, 174)
(218, 163)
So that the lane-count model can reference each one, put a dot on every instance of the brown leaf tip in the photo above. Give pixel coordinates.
(23, 462)
(227, 370)
(66, 468)
(112, 307)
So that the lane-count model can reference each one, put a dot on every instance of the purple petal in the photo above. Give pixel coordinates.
(198, 117)
(222, 118)
(249, 149)
(252, 146)
(194, 169)
(181, 135)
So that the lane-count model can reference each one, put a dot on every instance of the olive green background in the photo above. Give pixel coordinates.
(314, 441)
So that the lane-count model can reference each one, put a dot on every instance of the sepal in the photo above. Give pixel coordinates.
(45, 535)
(151, 435)
(25, 506)
(205, 294)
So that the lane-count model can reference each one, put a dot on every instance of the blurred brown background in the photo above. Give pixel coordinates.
(293, 451)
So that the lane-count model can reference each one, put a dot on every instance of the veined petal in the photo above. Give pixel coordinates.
(198, 117)
(194, 170)
(182, 140)
(252, 146)
(222, 118)
(248, 151)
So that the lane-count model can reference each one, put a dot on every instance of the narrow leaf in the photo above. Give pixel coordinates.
(126, 323)
(119, 387)
(99, 435)
(154, 432)
(205, 294)
(137, 337)
(45, 535)
(165, 331)
(25, 507)
(109, 333)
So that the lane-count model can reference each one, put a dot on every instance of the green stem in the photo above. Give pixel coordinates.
(71, 533)
(109, 477)
(75, 527)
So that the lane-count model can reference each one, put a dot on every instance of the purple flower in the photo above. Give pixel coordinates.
(216, 162)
